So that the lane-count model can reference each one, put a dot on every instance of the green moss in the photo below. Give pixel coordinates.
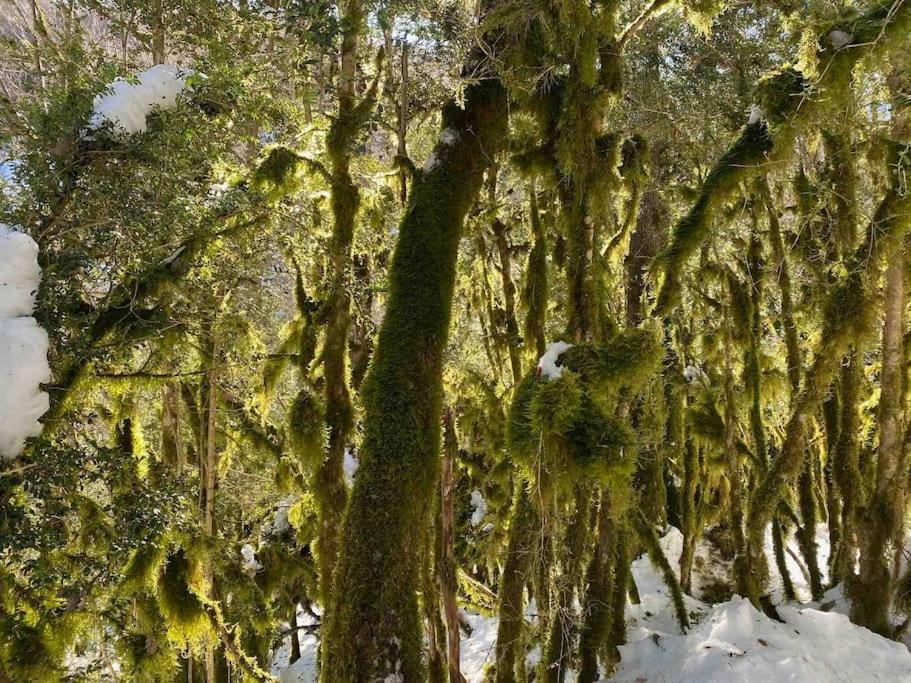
(145, 659)
(28, 656)
(374, 625)
(555, 405)
(628, 359)
(142, 568)
(307, 429)
(187, 621)
(602, 446)
(276, 173)
(747, 154)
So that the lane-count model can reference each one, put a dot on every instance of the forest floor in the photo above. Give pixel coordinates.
(729, 641)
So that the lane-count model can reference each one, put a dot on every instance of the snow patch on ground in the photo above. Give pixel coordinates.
(736, 643)
(730, 642)
(23, 344)
(125, 105)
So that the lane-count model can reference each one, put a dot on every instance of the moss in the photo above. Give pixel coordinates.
(145, 659)
(510, 662)
(307, 429)
(276, 173)
(556, 404)
(374, 624)
(747, 154)
(29, 657)
(187, 621)
(603, 447)
(787, 105)
(627, 359)
(535, 288)
(142, 567)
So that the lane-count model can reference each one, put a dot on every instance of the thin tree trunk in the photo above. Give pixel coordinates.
(501, 236)
(159, 55)
(885, 512)
(447, 566)
(172, 451)
(521, 548)
(330, 491)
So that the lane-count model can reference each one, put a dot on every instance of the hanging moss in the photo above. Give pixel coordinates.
(602, 446)
(276, 173)
(187, 620)
(556, 404)
(145, 659)
(787, 105)
(747, 154)
(307, 429)
(28, 657)
(95, 530)
(627, 359)
(142, 568)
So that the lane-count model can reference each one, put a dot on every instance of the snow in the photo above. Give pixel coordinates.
(735, 643)
(756, 114)
(23, 344)
(449, 136)
(125, 105)
(304, 670)
(730, 642)
(693, 373)
(479, 508)
(350, 465)
(249, 563)
(478, 650)
(547, 364)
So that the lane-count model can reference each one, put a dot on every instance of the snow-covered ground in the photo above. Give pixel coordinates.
(729, 642)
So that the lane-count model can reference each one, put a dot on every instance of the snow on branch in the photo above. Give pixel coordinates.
(125, 105)
(23, 344)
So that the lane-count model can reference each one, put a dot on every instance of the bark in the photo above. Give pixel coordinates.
(501, 236)
(447, 566)
(374, 626)
(519, 552)
(159, 56)
(885, 511)
(596, 619)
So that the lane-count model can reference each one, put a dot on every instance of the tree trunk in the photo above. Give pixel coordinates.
(330, 490)
(521, 548)
(374, 626)
(172, 452)
(159, 56)
(447, 567)
(501, 235)
(886, 509)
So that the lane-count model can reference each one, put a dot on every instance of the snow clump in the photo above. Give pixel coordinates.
(125, 105)
(23, 344)
(547, 365)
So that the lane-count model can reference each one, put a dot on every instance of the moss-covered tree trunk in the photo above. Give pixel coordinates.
(330, 490)
(872, 594)
(446, 565)
(522, 539)
(848, 320)
(374, 627)
(600, 577)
